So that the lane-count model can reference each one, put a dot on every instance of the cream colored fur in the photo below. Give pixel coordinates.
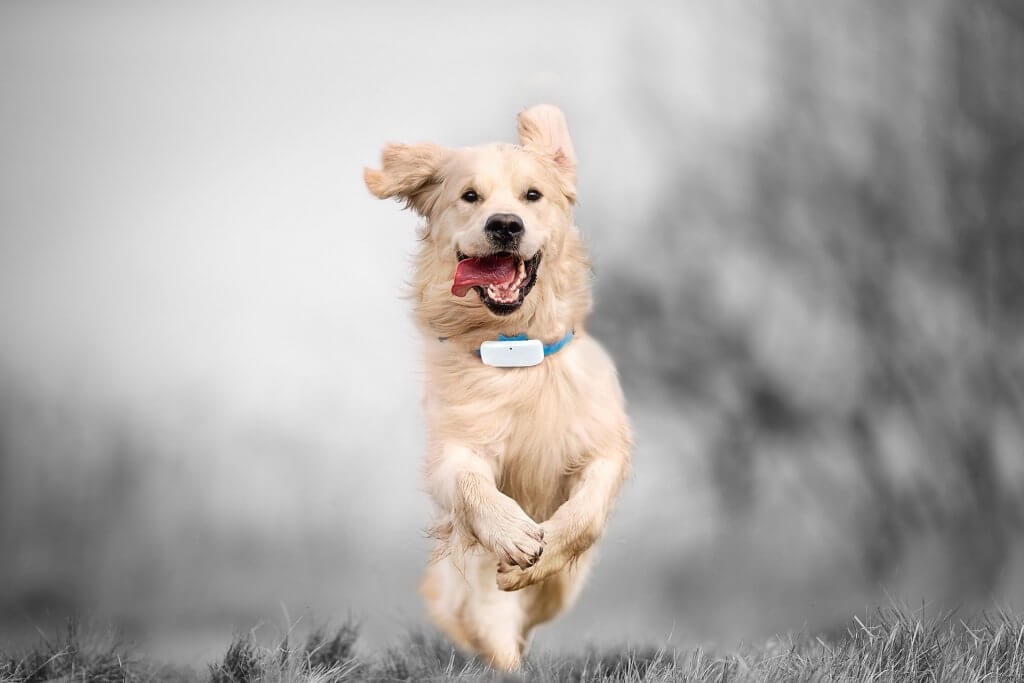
(523, 464)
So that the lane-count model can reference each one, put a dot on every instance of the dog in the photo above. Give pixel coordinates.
(528, 441)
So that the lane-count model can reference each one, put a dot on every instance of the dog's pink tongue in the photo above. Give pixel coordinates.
(486, 270)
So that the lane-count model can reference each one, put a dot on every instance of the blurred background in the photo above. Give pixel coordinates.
(807, 224)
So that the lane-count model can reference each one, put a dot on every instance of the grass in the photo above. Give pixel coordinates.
(891, 645)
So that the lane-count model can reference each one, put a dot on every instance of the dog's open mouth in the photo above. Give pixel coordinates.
(502, 280)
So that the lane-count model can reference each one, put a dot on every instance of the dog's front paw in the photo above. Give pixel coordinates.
(515, 538)
(513, 577)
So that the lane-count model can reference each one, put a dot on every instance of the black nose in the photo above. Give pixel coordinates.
(504, 229)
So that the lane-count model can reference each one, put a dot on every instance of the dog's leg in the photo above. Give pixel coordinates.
(445, 590)
(495, 621)
(545, 600)
(499, 624)
(576, 525)
(463, 600)
(463, 484)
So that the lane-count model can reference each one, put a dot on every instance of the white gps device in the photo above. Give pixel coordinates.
(513, 353)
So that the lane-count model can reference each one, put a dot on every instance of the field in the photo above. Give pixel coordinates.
(805, 223)
(890, 645)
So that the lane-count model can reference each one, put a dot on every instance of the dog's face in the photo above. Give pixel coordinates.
(498, 219)
(499, 206)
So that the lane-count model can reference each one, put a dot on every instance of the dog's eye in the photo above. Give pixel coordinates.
(533, 195)
(470, 196)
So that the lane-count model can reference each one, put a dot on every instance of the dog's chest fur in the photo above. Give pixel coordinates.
(534, 425)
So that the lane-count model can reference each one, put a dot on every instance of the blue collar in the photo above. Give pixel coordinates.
(549, 349)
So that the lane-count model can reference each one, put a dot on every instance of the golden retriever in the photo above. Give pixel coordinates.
(523, 463)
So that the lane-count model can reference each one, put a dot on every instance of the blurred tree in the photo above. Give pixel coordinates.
(842, 285)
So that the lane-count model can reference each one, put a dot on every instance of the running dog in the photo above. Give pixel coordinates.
(528, 437)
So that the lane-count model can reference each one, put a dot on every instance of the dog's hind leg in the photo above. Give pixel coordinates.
(463, 599)
(445, 592)
(496, 621)
(549, 598)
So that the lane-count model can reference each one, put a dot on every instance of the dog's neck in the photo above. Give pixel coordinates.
(469, 343)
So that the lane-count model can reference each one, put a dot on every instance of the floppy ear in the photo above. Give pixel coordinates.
(408, 172)
(542, 128)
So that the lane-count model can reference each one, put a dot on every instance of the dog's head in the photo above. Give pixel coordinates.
(499, 248)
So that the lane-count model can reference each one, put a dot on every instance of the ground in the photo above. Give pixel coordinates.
(890, 645)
